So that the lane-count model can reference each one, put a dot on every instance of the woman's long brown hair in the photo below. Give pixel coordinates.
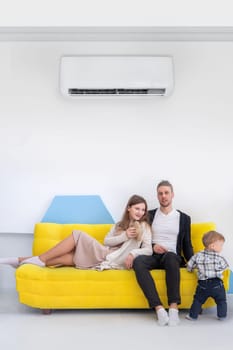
(124, 223)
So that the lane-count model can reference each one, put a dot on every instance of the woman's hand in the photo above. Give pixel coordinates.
(159, 249)
(131, 232)
(129, 261)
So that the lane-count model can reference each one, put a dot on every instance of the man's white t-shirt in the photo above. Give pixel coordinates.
(165, 229)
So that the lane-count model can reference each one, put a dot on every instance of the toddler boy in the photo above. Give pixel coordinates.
(210, 266)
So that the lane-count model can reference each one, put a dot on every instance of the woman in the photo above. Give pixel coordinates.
(127, 239)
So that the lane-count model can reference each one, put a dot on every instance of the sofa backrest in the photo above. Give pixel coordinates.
(197, 232)
(46, 235)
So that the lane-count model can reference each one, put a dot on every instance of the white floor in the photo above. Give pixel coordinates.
(25, 328)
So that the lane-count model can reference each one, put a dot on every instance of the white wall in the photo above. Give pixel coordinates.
(13, 245)
(52, 146)
(116, 13)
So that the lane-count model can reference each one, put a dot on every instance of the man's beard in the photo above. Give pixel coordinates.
(165, 205)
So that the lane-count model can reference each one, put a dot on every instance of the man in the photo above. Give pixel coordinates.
(171, 248)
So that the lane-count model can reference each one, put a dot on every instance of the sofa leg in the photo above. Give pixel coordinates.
(46, 311)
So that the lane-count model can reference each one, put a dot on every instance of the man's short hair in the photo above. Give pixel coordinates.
(165, 183)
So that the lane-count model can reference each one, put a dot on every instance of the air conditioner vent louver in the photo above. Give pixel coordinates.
(116, 76)
(77, 92)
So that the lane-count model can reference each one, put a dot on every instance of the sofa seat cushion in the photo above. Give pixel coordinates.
(68, 287)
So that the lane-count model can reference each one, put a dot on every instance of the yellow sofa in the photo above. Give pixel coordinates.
(70, 288)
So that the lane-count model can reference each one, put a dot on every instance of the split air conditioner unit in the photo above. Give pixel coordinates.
(82, 76)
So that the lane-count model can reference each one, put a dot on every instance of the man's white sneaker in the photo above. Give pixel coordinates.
(174, 319)
(162, 316)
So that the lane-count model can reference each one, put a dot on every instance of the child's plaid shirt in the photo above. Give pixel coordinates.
(209, 264)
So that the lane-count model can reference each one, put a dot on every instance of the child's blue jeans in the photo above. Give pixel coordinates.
(213, 288)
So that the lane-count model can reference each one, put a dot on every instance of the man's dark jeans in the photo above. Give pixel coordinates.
(170, 262)
(213, 288)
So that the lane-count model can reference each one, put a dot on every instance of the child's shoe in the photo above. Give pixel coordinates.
(188, 317)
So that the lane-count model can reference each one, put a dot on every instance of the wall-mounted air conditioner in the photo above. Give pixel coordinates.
(82, 76)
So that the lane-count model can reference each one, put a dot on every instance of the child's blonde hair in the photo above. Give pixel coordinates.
(211, 237)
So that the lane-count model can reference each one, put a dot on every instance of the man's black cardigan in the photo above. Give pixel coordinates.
(184, 245)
